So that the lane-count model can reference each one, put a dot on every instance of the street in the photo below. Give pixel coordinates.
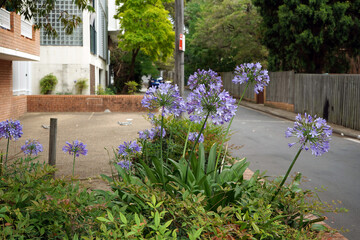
(263, 142)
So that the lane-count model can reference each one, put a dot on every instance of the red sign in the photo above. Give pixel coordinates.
(182, 43)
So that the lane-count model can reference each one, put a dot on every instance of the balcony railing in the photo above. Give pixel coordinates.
(26, 28)
(5, 19)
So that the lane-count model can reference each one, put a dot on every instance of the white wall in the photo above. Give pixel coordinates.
(113, 24)
(69, 63)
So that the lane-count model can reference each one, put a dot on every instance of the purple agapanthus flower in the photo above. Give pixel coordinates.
(129, 148)
(10, 129)
(313, 133)
(32, 147)
(151, 133)
(218, 104)
(167, 97)
(76, 148)
(125, 164)
(193, 135)
(251, 72)
(204, 77)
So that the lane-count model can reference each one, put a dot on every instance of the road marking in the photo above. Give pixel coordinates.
(353, 140)
(91, 116)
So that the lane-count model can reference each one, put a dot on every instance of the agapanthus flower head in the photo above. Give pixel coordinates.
(167, 97)
(129, 148)
(32, 147)
(313, 133)
(218, 104)
(151, 133)
(10, 129)
(125, 164)
(193, 135)
(251, 72)
(204, 77)
(75, 148)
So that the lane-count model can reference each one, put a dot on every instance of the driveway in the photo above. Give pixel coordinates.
(96, 130)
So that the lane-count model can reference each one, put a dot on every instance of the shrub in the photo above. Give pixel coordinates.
(48, 83)
(35, 206)
(132, 87)
(81, 84)
(251, 216)
(102, 91)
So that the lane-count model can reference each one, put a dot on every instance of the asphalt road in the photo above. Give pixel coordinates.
(263, 142)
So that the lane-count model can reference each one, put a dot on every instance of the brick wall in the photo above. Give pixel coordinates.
(83, 103)
(10, 106)
(12, 38)
(18, 106)
(5, 89)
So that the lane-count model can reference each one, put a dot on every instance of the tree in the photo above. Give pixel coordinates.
(222, 34)
(31, 9)
(145, 27)
(120, 64)
(310, 36)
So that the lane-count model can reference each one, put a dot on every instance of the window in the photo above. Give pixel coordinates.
(74, 39)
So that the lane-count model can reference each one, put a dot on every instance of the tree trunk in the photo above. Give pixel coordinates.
(132, 65)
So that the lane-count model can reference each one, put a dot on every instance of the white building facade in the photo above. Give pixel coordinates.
(82, 54)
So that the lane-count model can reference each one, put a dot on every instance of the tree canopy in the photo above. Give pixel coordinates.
(145, 26)
(222, 34)
(310, 36)
(36, 9)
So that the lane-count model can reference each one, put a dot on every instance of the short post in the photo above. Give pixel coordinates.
(52, 142)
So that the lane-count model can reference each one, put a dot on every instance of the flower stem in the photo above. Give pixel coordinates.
(1, 163)
(193, 149)
(227, 130)
(73, 165)
(161, 133)
(7, 150)
(186, 140)
(287, 173)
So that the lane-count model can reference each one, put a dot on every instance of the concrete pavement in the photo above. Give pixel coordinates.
(97, 130)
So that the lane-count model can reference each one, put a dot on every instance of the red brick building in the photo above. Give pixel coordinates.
(18, 42)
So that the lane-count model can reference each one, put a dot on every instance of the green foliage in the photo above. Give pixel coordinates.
(132, 87)
(221, 35)
(48, 83)
(120, 63)
(176, 135)
(312, 37)
(81, 84)
(34, 206)
(251, 215)
(64, 93)
(36, 10)
(102, 91)
(145, 27)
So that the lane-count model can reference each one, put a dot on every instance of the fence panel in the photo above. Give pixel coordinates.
(335, 97)
(281, 87)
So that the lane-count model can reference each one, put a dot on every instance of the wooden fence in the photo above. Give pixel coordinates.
(335, 97)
